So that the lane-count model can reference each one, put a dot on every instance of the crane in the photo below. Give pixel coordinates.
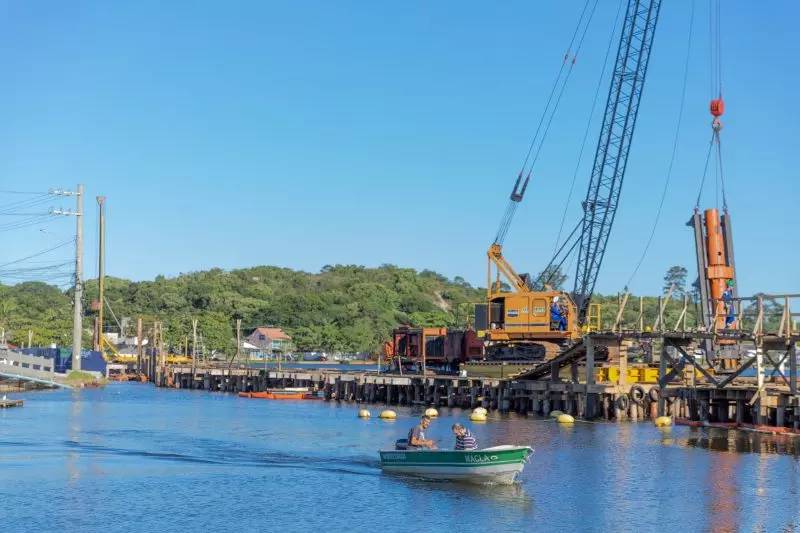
(613, 147)
(518, 321)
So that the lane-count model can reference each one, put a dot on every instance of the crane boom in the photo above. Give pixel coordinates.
(611, 157)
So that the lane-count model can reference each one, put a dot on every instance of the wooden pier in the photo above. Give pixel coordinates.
(615, 375)
(6, 403)
(684, 390)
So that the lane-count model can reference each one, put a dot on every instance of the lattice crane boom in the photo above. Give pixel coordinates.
(616, 134)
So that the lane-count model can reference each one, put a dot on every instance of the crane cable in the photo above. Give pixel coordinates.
(548, 114)
(563, 86)
(556, 82)
(717, 106)
(674, 154)
(588, 125)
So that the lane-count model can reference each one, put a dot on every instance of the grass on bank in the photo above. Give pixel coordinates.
(76, 378)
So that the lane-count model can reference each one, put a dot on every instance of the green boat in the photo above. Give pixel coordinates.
(500, 464)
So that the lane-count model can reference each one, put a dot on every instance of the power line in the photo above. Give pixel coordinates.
(673, 156)
(37, 254)
(609, 47)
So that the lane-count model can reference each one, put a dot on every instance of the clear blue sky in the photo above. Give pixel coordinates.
(299, 134)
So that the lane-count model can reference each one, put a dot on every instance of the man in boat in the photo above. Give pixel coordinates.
(464, 438)
(416, 437)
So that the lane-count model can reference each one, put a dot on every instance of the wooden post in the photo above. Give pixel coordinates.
(793, 371)
(139, 345)
(194, 346)
(682, 316)
(662, 303)
(641, 313)
(620, 311)
(238, 338)
(662, 372)
(424, 351)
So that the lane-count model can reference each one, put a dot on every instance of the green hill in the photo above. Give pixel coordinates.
(341, 308)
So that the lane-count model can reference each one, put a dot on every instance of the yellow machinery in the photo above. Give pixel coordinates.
(517, 322)
(112, 355)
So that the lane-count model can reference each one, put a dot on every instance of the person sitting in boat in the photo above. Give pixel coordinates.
(416, 437)
(464, 438)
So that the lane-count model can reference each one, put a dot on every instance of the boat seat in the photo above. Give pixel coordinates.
(401, 444)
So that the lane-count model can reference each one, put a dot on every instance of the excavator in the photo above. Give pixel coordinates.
(526, 319)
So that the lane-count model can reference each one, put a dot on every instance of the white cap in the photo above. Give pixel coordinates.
(555, 298)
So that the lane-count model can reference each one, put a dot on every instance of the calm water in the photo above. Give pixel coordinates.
(131, 457)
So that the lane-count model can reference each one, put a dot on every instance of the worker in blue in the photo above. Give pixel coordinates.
(730, 307)
(557, 315)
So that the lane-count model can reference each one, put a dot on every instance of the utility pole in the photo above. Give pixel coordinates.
(101, 268)
(77, 315)
(194, 347)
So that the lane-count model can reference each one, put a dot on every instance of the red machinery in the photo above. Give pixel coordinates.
(434, 346)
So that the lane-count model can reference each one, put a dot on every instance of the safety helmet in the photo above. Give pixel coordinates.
(555, 299)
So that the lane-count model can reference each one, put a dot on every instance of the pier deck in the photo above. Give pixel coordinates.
(576, 382)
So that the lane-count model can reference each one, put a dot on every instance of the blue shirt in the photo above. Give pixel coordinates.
(727, 296)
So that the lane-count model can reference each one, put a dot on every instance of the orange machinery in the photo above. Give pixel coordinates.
(718, 271)
(517, 320)
(715, 266)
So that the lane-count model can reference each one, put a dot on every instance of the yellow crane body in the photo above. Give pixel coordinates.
(518, 321)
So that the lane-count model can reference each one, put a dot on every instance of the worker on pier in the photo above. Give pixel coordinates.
(730, 307)
(557, 315)
(416, 437)
(464, 438)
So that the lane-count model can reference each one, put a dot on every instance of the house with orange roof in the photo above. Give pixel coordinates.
(270, 340)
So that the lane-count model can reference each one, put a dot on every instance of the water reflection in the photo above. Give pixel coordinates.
(511, 496)
(721, 440)
(75, 413)
(723, 505)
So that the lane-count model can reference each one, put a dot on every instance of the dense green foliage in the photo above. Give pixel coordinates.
(343, 308)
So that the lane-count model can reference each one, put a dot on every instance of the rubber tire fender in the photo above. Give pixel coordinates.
(623, 402)
(654, 393)
(637, 394)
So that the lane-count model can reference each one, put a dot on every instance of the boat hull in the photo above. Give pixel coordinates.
(279, 395)
(501, 465)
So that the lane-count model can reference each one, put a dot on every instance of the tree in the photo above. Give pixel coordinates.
(676, 275)
(551, 276)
